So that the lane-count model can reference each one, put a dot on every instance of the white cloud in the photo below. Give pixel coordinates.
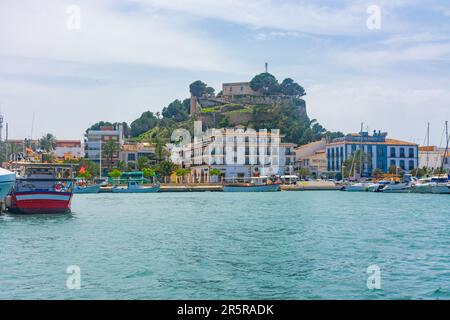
(30, 29)
(346, 17)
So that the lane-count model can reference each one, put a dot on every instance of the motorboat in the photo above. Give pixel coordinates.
(7, 182)
(360, 187)
(135, 187)
(256, 184)
(403, 186)
(435, 185)
(83, 187)
(42, 189)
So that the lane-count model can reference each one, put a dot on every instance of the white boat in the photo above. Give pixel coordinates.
(400, 187)
(134, 187)
(7, 181)
(435, 185)
(360, 187)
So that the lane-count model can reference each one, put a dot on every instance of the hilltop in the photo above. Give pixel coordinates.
(262, 103)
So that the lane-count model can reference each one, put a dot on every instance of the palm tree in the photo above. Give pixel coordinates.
(14, 151)
(159, 137)
(48, 143)
(110, 148)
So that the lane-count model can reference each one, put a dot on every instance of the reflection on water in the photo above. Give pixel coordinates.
(37, 218)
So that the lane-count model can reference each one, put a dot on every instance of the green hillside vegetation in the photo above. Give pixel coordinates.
(289, 115)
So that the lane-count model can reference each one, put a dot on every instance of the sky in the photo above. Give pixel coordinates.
(385, 63)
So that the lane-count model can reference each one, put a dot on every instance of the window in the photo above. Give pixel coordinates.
(402, 152)
(392, 153)
(393, 163)
(402, 164)
(131, 157)
(411, 152)
(411, 164)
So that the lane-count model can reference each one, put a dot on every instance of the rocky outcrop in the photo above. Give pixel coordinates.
(248, 110)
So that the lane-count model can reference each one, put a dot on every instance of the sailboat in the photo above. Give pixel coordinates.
(439, 184)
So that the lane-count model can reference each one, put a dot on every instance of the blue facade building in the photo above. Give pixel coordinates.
(382, 152)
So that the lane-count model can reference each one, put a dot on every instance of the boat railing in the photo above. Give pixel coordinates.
(43, 185)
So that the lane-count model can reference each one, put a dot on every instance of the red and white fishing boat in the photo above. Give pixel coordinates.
(41, 189)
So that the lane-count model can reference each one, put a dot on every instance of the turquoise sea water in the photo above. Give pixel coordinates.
(288, 245)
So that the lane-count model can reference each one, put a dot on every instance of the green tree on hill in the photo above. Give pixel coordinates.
(198, 88)
(290, 88)
(177, 110)
(210, 91)
(146, 122)
(265, 83)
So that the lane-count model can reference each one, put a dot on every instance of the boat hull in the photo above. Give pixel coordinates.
(40, 202)
(264, 188)
(136, 190)
(5, 188)
(7, 181)
(355, 189)
(432, 188)
(86, 190)
(397, 188)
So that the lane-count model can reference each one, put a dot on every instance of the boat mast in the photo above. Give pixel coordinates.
(360, 152)
(428, 145)
(446, 147)
(100, 157)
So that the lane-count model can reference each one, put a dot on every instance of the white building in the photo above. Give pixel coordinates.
(432, 158)
(69, 149)
(237, 153)
(96, 139)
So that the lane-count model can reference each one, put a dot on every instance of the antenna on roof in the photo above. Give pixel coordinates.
(1, 126)
(267, 67)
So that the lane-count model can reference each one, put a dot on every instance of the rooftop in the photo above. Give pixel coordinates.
(393, 142)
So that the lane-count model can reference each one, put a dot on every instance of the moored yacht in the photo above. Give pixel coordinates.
(7, 181)
(403, 186)
(256, 184)
(436, 185)
(360, 187)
